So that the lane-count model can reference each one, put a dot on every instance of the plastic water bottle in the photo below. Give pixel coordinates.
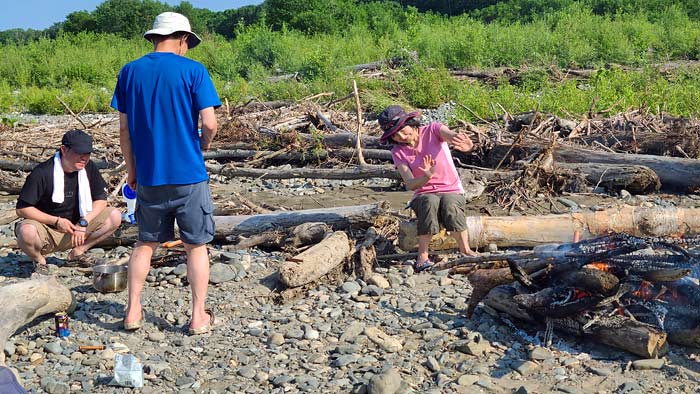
(130, 198)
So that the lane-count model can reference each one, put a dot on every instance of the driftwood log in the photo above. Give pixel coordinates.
(336, 140)
(322, 154)
(316, 261)
(340, 218)
(29, 300)
(530, 231)
(673, 172)
(630, 335)
(361, 172)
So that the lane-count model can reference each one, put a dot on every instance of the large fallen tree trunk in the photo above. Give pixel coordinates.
(633, 336)
(347, 140)
(536, 230)
(339, 218)
(673, 172)
(27, 300)
(242, 154)
(615, 177)
(361, 172)
(316, 261)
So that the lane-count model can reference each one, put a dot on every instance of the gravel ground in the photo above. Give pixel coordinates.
(400, 332)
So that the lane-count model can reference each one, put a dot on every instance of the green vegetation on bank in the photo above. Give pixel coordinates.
(80, 68)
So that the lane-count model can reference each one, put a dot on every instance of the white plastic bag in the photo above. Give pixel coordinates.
(128, 371)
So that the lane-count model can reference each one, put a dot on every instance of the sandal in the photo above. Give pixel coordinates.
(207, 327)
(83, 261)
(135, 325)
(420, 267)
(40, 269)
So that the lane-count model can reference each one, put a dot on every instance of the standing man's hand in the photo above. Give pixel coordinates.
(209, 127)
(131, 180)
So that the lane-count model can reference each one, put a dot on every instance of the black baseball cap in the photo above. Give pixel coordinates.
(77, 141)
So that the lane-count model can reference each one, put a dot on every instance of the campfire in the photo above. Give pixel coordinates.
(629, 292)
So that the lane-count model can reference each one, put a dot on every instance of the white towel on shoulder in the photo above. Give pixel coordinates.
(84, 194)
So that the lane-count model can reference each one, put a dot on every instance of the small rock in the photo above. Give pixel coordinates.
(352, 332)
(653, 363)
(350, 287)
(220, 273)
(525, 368)
(36, 358)
(379, 281)
(388, 382)
(467, 380)
(276, 339)
(432, 364)
(384, 341)
(9, 349)
(53, 348)
(156, 336)
(540, 353)
(248, 372)
(373, 290)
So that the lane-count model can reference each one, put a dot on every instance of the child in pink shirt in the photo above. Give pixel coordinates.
(422, 156)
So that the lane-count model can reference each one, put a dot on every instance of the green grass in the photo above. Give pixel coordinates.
(81, 69)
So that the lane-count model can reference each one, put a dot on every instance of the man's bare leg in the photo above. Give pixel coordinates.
(139, 265)
(198, 276)
(29, 242)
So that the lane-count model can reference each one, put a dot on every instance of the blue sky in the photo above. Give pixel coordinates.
(40, 14)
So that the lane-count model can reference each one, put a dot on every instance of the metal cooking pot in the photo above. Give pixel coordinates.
(109, 278)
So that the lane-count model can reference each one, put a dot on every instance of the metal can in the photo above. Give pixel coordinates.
(61, 320)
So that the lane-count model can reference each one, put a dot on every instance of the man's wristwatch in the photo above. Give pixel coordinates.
(82, 222)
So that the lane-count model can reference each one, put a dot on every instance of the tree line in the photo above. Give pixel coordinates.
(129, 18)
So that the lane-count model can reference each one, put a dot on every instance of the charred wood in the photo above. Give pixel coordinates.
(635, 337)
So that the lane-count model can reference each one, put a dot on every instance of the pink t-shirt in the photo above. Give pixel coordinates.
(445, 179)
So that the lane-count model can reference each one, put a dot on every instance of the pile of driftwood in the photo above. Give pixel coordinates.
(522, 161)
(628, 292)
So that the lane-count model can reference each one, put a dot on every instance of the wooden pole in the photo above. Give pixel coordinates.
(358, 141)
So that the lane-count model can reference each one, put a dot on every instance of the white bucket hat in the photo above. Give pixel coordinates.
(168, 23)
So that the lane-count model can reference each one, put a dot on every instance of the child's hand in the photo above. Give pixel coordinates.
(428, 166)
(462, 142)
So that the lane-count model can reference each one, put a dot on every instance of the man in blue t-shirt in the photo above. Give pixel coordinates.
(161, 98)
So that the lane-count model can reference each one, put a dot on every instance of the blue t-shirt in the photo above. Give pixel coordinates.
(162, 93)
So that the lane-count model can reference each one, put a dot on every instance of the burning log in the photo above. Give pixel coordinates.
(596, 288)
(27, 300)
(537, 230)
(316, 261)
(624, 333)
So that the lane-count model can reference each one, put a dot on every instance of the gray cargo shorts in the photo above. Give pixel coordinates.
(432, 209)
(159, 207)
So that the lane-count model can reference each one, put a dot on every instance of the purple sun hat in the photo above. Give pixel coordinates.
(392, 119)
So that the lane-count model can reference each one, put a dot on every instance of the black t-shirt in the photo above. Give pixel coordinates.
(38, 188)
